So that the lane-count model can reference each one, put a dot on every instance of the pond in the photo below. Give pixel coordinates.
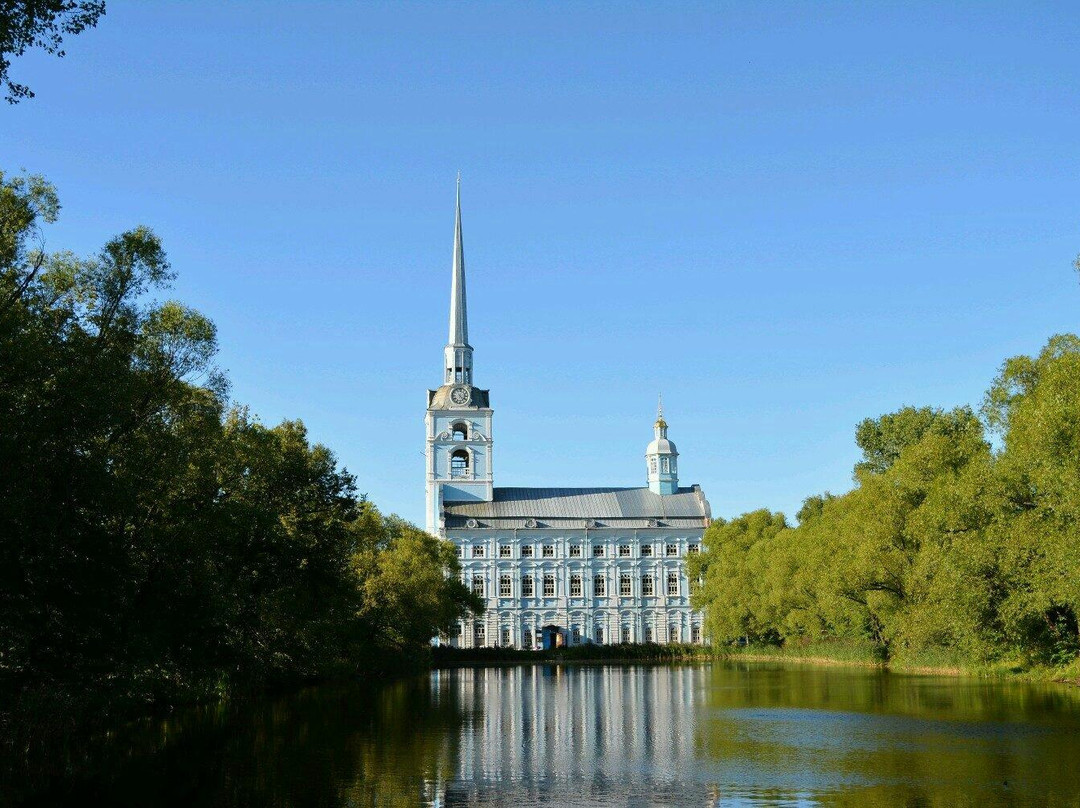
(719, 734)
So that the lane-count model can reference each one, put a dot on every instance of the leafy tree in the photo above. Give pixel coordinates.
(155, 542)
(26, 24)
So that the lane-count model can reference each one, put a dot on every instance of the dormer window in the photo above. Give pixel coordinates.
(459, 464)
(459, 431)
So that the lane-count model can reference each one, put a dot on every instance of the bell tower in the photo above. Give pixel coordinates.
(662, 457)
(458, 421)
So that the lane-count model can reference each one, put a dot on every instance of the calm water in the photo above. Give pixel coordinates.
(709, 735)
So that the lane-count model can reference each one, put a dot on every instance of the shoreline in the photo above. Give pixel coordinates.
(1002, 671)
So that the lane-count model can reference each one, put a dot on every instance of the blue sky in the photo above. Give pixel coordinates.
(787, 217)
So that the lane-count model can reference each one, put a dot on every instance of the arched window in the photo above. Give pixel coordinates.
(459, 464)
(459, 431)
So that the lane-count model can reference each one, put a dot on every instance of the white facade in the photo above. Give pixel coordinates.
(555, 566)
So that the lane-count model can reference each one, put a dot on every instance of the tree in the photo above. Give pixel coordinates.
(26, 24)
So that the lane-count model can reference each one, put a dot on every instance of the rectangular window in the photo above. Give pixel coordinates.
(460, 631)
(549, 551)
(695, 634)
(598, 586)
(479, 635)
(598, 550)
(624, 586)
(673, 633)
(478, 551)
(526, 551)
(526, 586)
(624, 550)
(626, 634)
(460, 551)
(646, 586)
(673, 583)
(575, 586)
(575, 636)
(504, 551)
(598, 635)
(671, 550)
(549, 586)
(505, 639)
(646, 550)
(648, 633)
(478, 585)
(693, 548)
(504, 586)
(526, 638)
(575, 551)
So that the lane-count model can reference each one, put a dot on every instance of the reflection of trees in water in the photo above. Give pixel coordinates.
(890, 739)
(613, 734)
(326, 746)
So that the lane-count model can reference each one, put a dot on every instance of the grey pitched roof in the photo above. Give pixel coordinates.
(578, 507)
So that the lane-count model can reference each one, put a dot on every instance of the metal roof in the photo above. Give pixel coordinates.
(617, 506)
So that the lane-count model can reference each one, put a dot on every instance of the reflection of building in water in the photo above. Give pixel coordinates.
(539, 731)
(557, 566)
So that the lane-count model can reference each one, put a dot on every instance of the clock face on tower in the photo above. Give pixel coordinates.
(460, 395)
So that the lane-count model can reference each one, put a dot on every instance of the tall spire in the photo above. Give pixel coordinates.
(660, 427)
(459, 319)
(458, 353)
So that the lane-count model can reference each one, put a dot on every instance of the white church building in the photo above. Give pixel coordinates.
(555, 566)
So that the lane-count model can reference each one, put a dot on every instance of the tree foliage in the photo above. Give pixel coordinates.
(26, 24)
(153, 538)
(945, 544)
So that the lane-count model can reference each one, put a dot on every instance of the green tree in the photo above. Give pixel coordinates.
(26, 24)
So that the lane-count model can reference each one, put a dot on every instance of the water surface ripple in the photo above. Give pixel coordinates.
(721, 734)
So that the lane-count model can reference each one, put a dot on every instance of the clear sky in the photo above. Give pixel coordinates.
(786, 217)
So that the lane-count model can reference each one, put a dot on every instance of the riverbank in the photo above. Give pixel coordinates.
(839, 653)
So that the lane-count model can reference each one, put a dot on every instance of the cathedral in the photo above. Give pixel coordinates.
(555, 566)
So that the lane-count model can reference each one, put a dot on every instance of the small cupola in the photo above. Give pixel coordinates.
(661, 456)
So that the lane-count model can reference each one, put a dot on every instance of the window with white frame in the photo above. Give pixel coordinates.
(624, 550)
(505, 638)
(575, 635)
(459, 431)
(460, 551)
(648, 633)
(526, 586)
(692, 548)
(598, 550)
(598, 635)
(504, 551)
(671, 550)
(664, 465)
(575, 586)
(646, 586)
(478, 585)
(695, 634)
(624, 586)
(625, 633)
(504, 586)
(526, 638)
(549, 586)
(598, 586)
(673, 583)
(479, 635)
(526, 551)
(478, 551)
(549, 551)
(575, 551)
(673, 632)
(646, 551)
